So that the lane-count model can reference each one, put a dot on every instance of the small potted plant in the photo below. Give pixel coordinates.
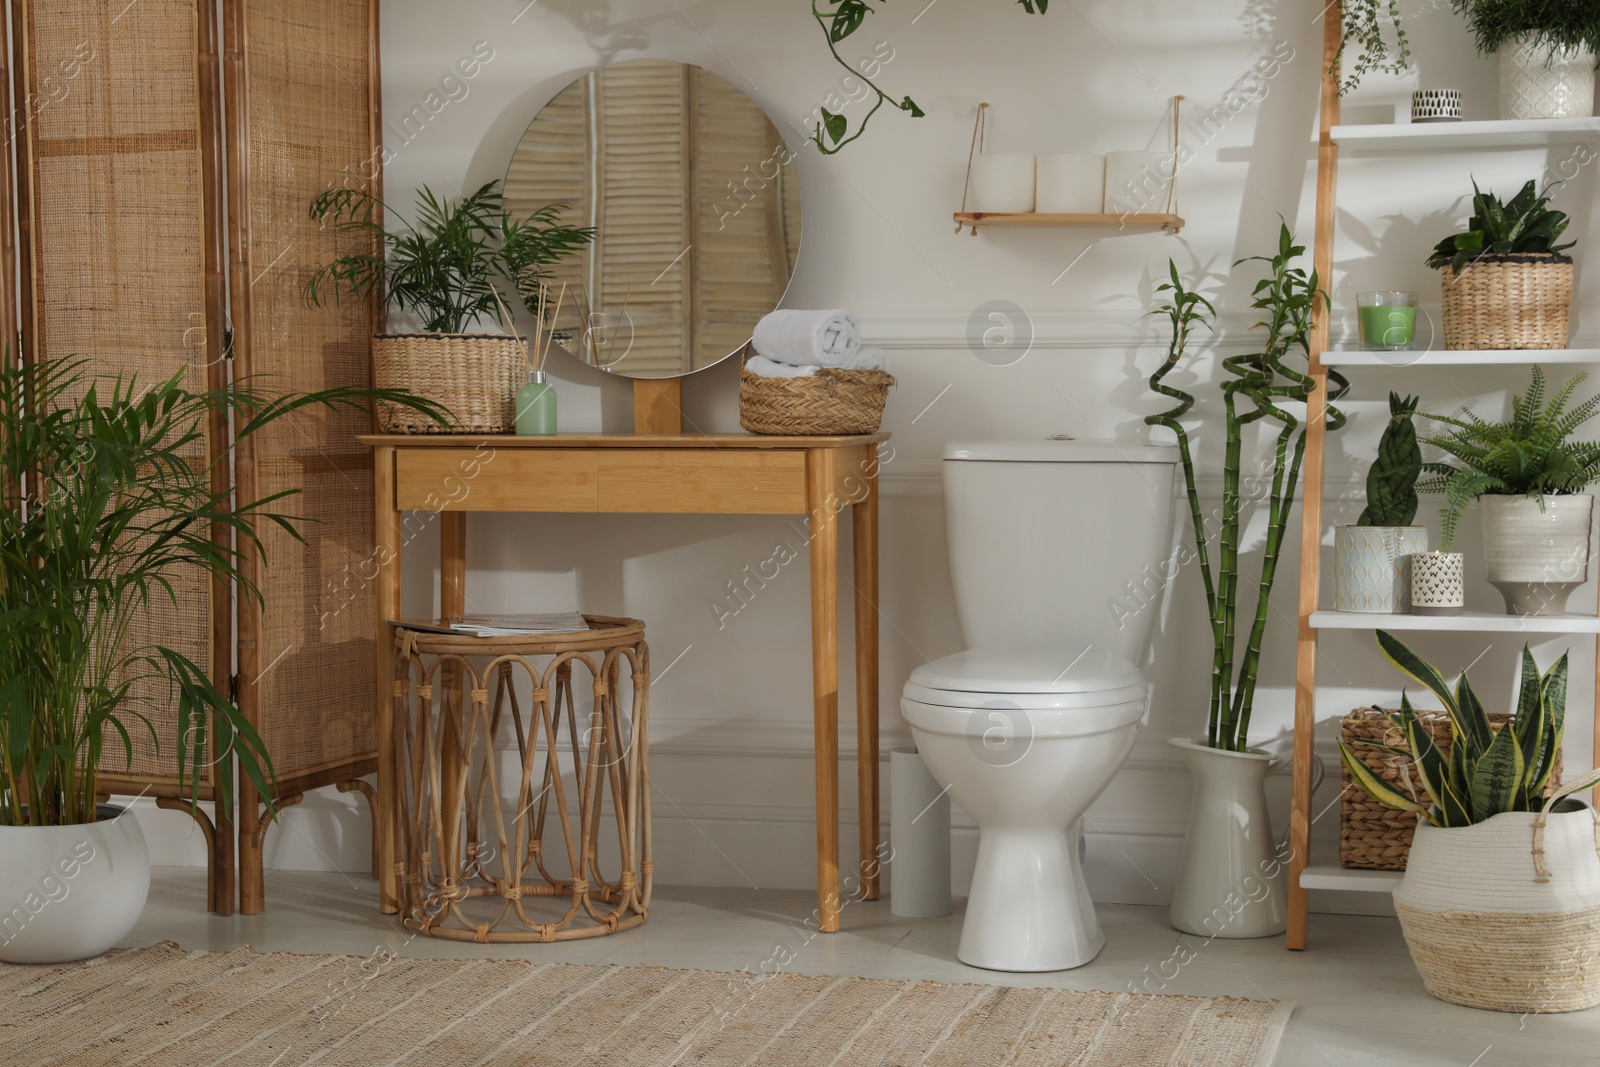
(1506, 282)
(1547, 53)
(445, 268)
(1530, 480)
(105, 509)
(1371, 559)
(1502, 885)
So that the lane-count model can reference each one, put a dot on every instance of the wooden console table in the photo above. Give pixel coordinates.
(723, 474)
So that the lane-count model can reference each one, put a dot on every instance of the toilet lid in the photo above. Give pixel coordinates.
(1026, 678)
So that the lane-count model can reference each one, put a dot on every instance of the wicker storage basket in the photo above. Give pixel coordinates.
(1371, 836)
(1500, 302)
(474, 376)
(829, 402)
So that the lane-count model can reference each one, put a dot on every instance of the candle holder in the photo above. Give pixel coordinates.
(1438, 583)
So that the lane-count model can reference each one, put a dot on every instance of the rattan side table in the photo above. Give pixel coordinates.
(472, 860)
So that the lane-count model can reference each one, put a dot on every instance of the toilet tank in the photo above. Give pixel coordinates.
(1060, 543)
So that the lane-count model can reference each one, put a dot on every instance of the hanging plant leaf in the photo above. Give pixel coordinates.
(835, 125)
(847, 19)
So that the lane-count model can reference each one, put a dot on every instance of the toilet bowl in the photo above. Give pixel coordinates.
(1056, 553)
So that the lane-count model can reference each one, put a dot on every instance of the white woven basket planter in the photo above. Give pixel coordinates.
(1489, 929)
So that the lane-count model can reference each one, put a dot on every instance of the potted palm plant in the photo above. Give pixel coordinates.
(445, 267)
(103, 508)
(1371, 559)
(1547, 53)
(1530, 481)
(1506, 282)
(1500, 902)
(1231, 882)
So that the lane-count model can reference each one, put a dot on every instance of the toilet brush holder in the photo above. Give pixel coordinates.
(919, 831)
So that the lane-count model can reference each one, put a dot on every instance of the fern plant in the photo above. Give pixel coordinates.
(1392, 478)
(1556, 24)
(1487, 772)
(1523, 225)
(1527, 456)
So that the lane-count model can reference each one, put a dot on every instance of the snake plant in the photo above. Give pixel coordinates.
(1486, 772)
(1524, 225)
(1392, 478)
(1257, 384)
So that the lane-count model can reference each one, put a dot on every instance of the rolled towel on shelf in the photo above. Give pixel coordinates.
(808, 338)
(767, 368)
(869, 359)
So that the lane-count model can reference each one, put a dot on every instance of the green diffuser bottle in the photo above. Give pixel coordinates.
(536, 406)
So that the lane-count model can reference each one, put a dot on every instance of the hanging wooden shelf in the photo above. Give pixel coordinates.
(1123, 224)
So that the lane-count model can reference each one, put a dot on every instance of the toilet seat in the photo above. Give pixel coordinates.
(1026, 679)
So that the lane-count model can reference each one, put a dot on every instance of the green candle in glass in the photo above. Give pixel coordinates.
(1388, 320)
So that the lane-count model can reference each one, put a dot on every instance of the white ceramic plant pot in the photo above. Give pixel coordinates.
(71, 892)
(1438, 583)
(1537, 556)
(1371, 571)
(1536, 83)
(1234, 876)
(1486, 931)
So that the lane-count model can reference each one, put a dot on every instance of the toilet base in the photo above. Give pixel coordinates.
(1029, 909)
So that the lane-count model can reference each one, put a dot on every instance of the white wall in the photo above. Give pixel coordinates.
(731, 716)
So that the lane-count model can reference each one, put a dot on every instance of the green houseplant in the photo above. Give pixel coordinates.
(1530, 479)
(1370, 558)
(1506, 281)
(1228, 839)
(1503, 868)
(1364, 23)
(1547, 53)
(105, 507)
(448, 267)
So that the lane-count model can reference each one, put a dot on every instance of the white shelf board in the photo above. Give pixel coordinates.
(1471, 621)
(1441, 357)
(1499, 133)
(1328, 876)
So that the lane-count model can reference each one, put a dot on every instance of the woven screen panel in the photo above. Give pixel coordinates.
(308, 101)
(114, 134)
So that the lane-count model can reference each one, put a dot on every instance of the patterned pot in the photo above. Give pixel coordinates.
(1370, 567)
(1537, 553)
(1438, 583)
(1537, 82)
(1436, 105)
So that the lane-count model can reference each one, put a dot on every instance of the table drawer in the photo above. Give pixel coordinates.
(683, 481)
(490, 479)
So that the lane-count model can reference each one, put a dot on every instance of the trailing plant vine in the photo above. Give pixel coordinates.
(1364, 22)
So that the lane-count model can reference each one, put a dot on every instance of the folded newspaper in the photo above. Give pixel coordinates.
(503, 625)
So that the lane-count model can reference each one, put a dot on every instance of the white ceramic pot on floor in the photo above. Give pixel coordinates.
(1537, 556)
(71, 892)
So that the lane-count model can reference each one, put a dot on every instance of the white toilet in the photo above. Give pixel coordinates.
(1057, 551)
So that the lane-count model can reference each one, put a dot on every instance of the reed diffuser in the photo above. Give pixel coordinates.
(536, 401)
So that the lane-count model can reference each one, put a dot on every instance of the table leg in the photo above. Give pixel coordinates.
(820, 482)
(386, 530)
(864, 523)
(453, 563)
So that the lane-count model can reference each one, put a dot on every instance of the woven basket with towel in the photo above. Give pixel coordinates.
(805, 373)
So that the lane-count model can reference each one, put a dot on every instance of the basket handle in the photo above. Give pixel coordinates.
(1542, 872)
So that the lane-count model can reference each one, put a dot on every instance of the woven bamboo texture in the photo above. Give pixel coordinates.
(114, 132)
(492, 855)
(829, 402)
(308, 104)
(1504, 962)
(243, 1007)
(1501, 302)
(1374, 837)
(475, 377)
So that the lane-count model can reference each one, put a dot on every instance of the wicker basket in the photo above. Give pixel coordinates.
(474, 376)
(831, 401)
(1371, 836)
(1501, 302)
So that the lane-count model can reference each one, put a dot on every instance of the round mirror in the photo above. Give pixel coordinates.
(696, 209)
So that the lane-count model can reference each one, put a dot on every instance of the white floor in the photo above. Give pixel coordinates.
(1359, 1000)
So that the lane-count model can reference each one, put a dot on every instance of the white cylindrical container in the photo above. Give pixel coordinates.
(919, 831)
(1541, 82)
(1537, 552)
(1002, 183)
(1438, 583)
(1070, 183)
(1371, 567)
(1137, 182)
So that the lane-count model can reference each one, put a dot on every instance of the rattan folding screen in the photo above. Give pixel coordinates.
(158, 229)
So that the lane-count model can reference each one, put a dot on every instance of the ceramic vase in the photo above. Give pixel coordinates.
(1436, 105)
(1371, 567)
(1488, 930)
(71, 892)
(1537, 555)
(1438, 583)
(1234, 876)
(1538, 82)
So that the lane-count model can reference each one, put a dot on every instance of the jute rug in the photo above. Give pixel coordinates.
(164, 1006)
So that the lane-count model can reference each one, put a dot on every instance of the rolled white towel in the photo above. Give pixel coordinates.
(808, 338)
(869, 359)
(766, 368)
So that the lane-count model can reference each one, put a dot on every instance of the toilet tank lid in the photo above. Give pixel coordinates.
(1060, 450)
(1026, 671)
